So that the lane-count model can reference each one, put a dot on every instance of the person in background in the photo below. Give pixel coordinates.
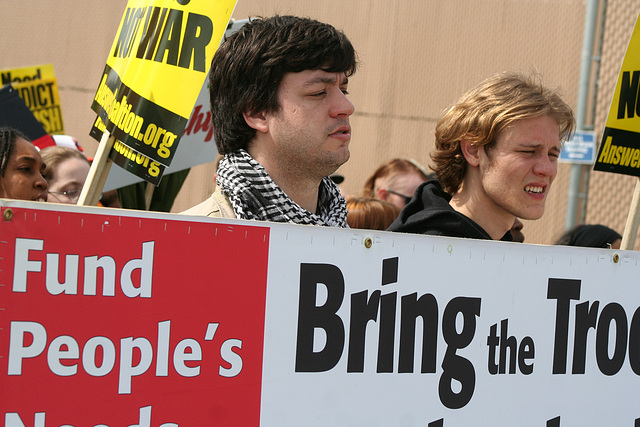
(496, 157)
(109, 199)
(66, 171)
(369, 213)
(395, 181)
(591, 236)
(278, 92)
(516, 231)
(21, 168)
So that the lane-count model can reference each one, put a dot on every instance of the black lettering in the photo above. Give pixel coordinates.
(6, 77)
(387, 335)
(363, 310)
(586, 318)
(492, 342)
(311, 316)
(152, 27)
(50, 119)
(634, 343)
(26, 93)
(454, 366)
(562, 290)
(507, 343)
(44, 97)
(197, 36)
(611, 312)
(425, 307)
(554, 422)
(526, 351)
(171, 36)
(125, 37)
(628, 95)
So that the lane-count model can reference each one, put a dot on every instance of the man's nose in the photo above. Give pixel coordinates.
(545, 166)
(342, 106)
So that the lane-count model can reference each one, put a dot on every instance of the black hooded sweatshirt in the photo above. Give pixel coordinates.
(429, 212)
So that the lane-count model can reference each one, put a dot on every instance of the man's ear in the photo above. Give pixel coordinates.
(257, 120)
(470, 151)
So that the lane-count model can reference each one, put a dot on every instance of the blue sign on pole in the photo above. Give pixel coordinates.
(579, 149)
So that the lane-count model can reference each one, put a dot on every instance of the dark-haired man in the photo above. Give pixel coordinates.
(496, 157)
(280, 111)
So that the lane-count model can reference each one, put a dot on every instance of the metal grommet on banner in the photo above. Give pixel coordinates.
(8, 214)
(368, 242)
(616, 258)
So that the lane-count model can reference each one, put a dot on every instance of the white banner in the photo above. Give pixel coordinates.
(508, 334)
(323, 326)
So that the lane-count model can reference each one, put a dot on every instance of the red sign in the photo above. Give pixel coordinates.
(136, 333)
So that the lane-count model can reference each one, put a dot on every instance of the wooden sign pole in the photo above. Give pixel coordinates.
(92, 189)
(633, 220)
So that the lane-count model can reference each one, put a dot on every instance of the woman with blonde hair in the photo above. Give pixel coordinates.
(66, 172)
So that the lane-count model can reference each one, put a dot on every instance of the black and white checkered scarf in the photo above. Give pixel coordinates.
(254, 195)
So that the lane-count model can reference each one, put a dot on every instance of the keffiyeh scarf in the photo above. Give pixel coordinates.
(254, 195)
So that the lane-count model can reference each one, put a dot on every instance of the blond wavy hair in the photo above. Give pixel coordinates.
(482, 113)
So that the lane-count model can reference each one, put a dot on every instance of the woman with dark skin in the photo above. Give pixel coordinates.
(21, 168)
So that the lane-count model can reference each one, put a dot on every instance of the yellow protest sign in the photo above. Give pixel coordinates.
(25, 74)
(41, 96)
(620, 147)
(38, 88)
(155, 69)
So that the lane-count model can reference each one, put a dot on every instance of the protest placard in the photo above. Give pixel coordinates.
(188, 321)
(38, 88)
(620, 147)
(26, 74)
(155, 69)
(197, 144)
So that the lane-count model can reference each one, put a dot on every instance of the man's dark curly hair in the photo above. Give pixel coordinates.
(247, 69)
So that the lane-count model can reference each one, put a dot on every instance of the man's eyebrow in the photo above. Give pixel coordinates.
(538, 145)
(325, 80)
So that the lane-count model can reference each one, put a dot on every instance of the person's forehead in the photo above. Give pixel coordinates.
(317, 76)
(71, 168)
(25, 148)
(531, 130)
(407, 178)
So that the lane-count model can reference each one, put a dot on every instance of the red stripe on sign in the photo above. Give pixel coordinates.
(117, 320)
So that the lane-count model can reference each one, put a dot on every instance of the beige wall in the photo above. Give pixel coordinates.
(417, 57)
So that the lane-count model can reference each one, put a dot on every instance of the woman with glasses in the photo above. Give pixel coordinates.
(66, 172)
(395, 181)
